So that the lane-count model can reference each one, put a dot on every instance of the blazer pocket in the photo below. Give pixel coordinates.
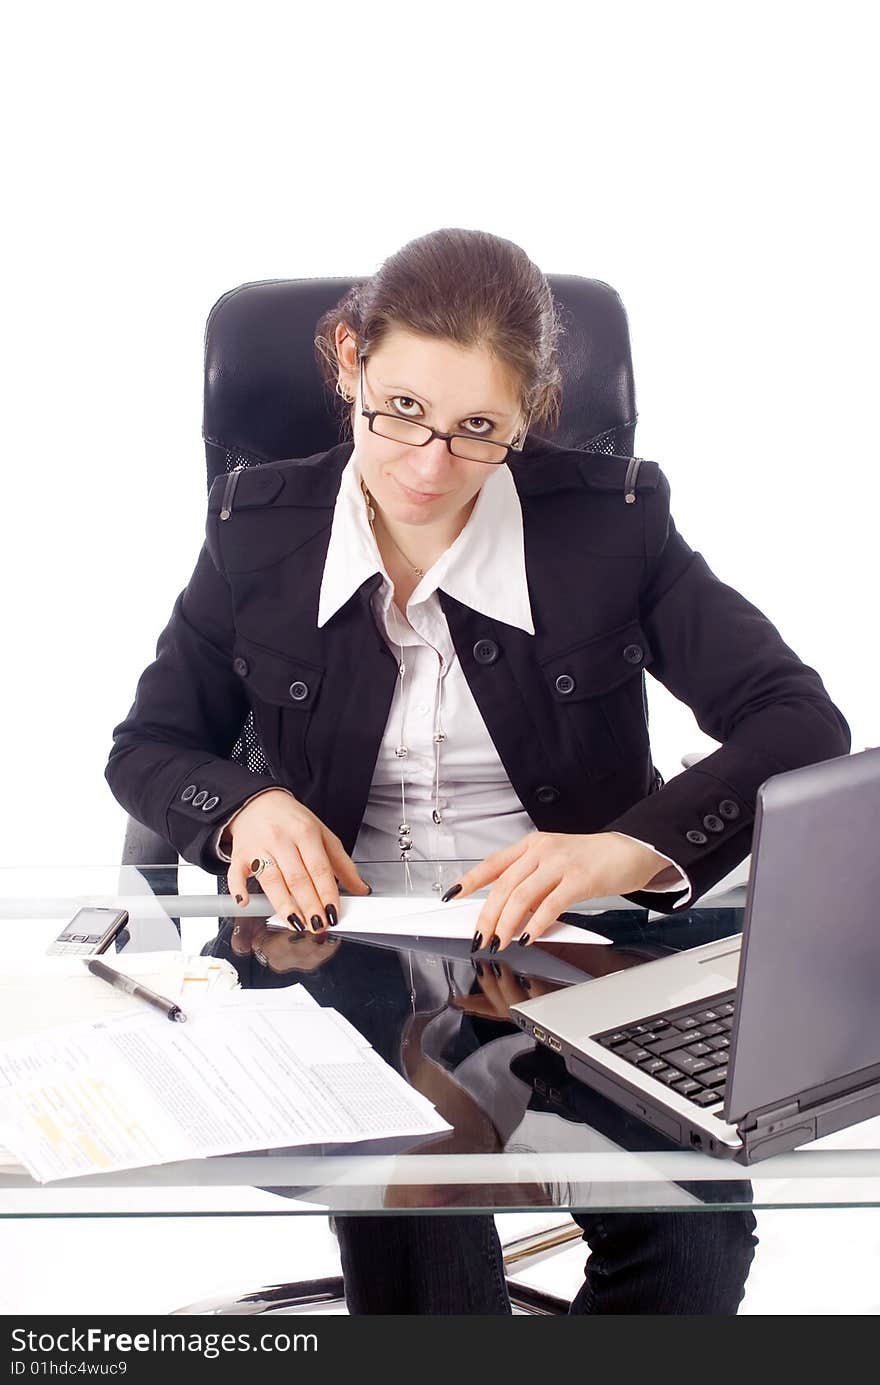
(598, 686)
(283, 691)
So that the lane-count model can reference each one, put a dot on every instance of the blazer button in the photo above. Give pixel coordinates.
(728, 809)
(299, 691)
(240, 666)
(211, 803)
(188, 792)
(565, 684)
(633, 653)
(698, 838)
(713, 823)
(547, 793)
(199, 798)
(486, 651)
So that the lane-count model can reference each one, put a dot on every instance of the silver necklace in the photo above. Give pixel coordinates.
(371, 513)
(404, 831)
(404, 837)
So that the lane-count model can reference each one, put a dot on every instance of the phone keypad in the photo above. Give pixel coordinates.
(75, 947)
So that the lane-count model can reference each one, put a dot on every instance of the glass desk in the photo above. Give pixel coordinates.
(525, 1135)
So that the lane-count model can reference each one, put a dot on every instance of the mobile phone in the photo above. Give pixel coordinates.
(90, 931)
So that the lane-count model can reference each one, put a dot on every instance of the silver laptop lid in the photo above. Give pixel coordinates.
(809, 976)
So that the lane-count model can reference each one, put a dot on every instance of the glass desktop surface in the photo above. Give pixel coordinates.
(526, 1136)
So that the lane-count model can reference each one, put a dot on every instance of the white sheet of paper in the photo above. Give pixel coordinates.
(418, 917)
(283, 998)
(46, 992)
(141, 1090)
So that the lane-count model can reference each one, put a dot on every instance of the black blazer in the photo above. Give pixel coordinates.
(614, 590)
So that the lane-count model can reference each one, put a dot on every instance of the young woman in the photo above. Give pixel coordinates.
(441, 627)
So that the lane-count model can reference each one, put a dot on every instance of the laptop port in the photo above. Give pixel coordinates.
(696, 1140)
(554, 1043)
(538, 1033)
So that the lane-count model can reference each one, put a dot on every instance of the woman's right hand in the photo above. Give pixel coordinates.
(307, 858)
(273, 950)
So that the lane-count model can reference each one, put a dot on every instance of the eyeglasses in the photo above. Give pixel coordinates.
(465, 445)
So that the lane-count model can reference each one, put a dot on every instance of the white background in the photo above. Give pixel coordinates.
(714, 164)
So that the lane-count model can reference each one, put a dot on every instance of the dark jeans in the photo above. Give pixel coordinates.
(642, 1262)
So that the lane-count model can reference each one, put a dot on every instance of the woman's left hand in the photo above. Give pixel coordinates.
(540, 876)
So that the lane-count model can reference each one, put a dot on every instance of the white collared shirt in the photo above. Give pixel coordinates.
(483, 569)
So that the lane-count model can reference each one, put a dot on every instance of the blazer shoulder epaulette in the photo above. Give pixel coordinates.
(544, 467)
(619, 475)
(312, 482)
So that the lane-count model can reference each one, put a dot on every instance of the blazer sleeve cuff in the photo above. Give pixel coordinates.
(671, 879)
(204, 799)
(698, 820)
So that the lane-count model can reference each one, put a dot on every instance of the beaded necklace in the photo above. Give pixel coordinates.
(404, 831)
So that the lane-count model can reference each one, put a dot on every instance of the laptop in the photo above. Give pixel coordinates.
(752, 1045)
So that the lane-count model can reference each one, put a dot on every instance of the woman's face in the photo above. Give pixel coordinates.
(442, 384)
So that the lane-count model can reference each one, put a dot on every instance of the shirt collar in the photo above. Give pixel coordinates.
(484, 568)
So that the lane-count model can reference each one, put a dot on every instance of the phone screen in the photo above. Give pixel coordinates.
(89, 932)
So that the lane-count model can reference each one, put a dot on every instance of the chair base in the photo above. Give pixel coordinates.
(316, 1295)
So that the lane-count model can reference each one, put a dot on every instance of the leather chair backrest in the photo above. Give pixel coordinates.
(265, 398)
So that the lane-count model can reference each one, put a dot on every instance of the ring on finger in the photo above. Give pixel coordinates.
(259, 864)
(261, 957)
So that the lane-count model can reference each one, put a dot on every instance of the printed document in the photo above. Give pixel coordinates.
(140, 1090)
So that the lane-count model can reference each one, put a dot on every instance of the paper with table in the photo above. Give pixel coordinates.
(250, 1070)
(136, 1089)
(92, 1081)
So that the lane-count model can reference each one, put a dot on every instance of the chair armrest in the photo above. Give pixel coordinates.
(693, 757)
(144, 847)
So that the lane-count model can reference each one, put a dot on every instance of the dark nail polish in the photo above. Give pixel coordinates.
(369, 888)
(496, 970)
(332, 916)
(477, 940)
(495, 943)
(524, 982)
(451, 893)
(238, 898)
(478, 968)
(316, 923)
(524, 938)
(296, 923)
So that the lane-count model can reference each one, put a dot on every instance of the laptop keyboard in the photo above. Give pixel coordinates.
(686, 1048)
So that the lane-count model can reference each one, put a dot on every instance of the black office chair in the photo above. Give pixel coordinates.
(265, 400)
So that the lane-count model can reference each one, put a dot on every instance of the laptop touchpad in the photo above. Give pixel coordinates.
(725, 966)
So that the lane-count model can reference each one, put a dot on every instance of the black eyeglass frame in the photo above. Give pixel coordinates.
(509, 447)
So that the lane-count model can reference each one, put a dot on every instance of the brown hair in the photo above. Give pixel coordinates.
(465, 286)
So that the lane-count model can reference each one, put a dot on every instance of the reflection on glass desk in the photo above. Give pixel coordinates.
(525, 1135)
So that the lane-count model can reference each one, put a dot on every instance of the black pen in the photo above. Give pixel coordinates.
(124, 983)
